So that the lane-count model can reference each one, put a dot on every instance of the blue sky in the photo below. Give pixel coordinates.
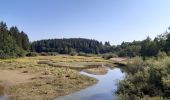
(104, 20)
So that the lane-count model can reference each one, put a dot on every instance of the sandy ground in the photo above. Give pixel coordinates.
(13, 77)
(10, 78)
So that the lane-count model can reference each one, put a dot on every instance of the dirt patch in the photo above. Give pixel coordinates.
(2, 90)
(13, 77)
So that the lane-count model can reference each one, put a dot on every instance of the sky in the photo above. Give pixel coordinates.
(104, 20)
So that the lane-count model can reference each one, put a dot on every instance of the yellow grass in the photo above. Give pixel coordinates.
(48, 82)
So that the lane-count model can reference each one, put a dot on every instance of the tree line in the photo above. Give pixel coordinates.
(66, 46)
(145, 48)
(13, 43)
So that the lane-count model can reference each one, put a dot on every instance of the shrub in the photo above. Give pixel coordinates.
(161, 55)
(109, 55)
(44, 54)
(53, 53)
(146, 80)
(31, 54)
(73, 53)
(85, 54)
(22, 53)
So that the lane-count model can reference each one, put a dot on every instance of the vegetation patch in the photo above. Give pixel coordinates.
(97, 71)
(146, 80)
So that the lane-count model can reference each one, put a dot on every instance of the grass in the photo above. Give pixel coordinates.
(58, 82)
(49, 82)
(97, 71)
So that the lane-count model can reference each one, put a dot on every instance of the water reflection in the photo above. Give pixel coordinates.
(103, 90)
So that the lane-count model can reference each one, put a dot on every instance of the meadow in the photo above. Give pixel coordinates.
(47, 77)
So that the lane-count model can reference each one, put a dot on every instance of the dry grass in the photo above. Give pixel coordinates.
(50, 85)
(49, 82)
(97, 71)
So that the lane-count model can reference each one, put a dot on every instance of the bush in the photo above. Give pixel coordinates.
(53, 53)
(44, 54)
(22, 53)
(146, 80)
(2, 54)
(161, 55)
(85, 54)
(108, 55)
(73, 53)
(31, 54)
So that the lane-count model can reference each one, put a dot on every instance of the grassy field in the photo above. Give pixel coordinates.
(46, 77)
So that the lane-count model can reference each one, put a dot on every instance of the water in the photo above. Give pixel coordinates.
(103, 90)
(5, 97)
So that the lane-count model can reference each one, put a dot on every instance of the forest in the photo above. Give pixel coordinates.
(15, 43)
(66, 46)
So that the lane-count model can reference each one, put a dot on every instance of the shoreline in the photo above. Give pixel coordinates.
(26, 79)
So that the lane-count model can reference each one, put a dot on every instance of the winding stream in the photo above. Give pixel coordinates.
(103, 90)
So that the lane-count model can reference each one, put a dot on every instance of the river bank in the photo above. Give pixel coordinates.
(104, 90)
(25, 78)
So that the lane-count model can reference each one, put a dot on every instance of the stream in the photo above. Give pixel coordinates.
(103, 90)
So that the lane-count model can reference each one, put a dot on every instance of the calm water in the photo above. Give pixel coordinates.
(103, 90)
(5, 97)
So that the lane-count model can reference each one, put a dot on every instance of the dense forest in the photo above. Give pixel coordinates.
(66, 46)
(13, 43)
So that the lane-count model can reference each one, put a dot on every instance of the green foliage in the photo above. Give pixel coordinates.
(44, 54)
(52, 53)
(145, 48)
(73, 53)
(20, 38)
(10, 42)
(31, 54)
(161, 55)
(146, 79)
(66, 46)
(129, 49)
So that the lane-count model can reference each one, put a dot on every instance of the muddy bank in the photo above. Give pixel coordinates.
(2, 90)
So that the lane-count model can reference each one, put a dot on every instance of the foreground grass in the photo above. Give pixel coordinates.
(63, 82)
(48, 82)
